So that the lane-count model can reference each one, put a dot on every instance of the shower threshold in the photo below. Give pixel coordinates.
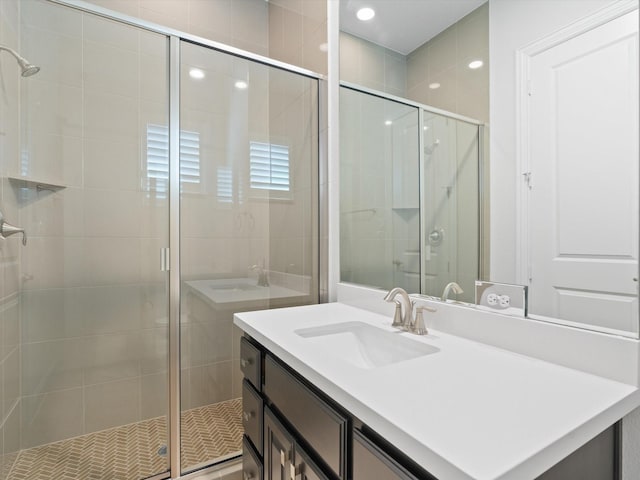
(131, 452)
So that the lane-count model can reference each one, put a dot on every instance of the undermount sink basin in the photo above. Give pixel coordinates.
(365, 346)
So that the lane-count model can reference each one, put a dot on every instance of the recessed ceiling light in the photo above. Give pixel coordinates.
(434, 85)
(196, 73)
(241, 85)
(475, 64)
(365, 13)
(388, 122)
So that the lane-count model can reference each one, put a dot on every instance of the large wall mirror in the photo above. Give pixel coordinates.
(558, 209)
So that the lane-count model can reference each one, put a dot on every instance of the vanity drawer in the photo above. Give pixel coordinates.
(252, 415)
(369, 461)
(322, 427)
(251, 363)
(251, 464)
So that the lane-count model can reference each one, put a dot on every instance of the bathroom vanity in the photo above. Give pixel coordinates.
(328, 394)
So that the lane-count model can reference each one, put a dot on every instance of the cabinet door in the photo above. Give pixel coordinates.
(305, 468)
(278, 449)
(369, 462)
(251, 464)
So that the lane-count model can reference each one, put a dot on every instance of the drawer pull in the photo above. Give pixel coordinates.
(244, 362)
(247, 416)
(284, 458)
(249, 476)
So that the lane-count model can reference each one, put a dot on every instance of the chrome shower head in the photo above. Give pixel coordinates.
(27, 68)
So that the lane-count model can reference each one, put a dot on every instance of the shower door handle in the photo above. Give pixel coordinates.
(164, 259)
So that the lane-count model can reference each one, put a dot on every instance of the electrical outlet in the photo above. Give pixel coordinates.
(502, 298)
(492, 299)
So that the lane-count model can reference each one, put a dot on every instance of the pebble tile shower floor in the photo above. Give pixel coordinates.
(130, 452)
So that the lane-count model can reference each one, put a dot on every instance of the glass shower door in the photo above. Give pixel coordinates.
(89, 188)
(249, 220)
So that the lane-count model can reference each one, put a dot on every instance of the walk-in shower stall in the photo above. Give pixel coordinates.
(164, 183)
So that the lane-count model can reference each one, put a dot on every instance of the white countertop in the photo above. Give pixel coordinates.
(469, 411)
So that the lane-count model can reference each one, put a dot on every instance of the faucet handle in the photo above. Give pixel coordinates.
(397, 315)
(418, 325)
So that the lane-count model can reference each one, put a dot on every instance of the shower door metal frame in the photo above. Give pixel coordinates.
(174, 38)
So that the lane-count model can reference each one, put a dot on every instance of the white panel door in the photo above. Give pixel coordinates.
(583, 204)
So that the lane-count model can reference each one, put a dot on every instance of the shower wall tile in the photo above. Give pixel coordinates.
(110, 309)
(111, 357)
(111, 164)
(154, 348)
(250, 25)
(51, 417)
(210, 19)
(372, 66)
(150, 272)
(53, 158)
(9, 325)
(10, 382)
(53, 262)
(52, 108)
(111, 404)
(12, 431)
(153, 395)
(112, 260)
(111, 214)
(209, 384)
(50, 315)
(47, 16)
(49, 214)
(59, 55)
(169, 13)
(444, 60)
(51, 365)
(108, 116)
(152, 67)
(109, 32)
(99, 73)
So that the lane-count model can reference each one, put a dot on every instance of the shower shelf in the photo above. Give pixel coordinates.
(23, 182)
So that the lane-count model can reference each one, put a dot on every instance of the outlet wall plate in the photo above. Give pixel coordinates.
(502, 298)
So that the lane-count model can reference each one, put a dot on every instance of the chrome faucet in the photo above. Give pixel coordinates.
(405, 318)
(451, 287)
(263, 280)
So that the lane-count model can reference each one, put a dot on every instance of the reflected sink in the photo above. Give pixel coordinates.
(365, 346)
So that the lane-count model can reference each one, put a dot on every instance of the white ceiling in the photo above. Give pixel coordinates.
(403, 25)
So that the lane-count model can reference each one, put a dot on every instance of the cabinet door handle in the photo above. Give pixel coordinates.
(248, 476)
(283, 458)
(247, 416)
(245, 362)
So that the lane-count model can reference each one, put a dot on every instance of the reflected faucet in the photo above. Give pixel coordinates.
(451, 287)
(263, 280)
(406, 316)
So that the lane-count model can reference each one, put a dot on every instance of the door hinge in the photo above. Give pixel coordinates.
(164, 259)
(527, 179)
